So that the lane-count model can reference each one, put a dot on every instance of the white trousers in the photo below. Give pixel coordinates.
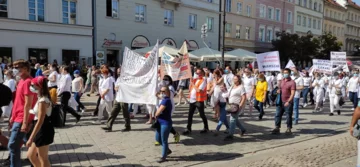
(334, 102)
(318, 97)
(135, 109)
(151, 109)
(104, 105)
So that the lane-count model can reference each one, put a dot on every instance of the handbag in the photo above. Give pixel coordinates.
(155, 124)
(356, 131)
(338, 92)
(233, 108)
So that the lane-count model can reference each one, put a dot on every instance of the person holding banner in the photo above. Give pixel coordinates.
(285, 102)
(318, 91)
(353, 87)
(197, 98)
(335, 86)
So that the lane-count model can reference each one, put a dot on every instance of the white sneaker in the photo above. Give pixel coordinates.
(352, 108)
(177, 105)
(305, 105)
(321, 109)
(97, 122)
(186, 103)
(83, 110)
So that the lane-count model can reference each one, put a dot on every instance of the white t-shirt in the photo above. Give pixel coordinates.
(35, 110)
(299, 82)
(117, 84)
(228, 80)
(320, 86)
(51, 83)
(76, 84)
(193, 91)
(107, 84)
(11, 83)
(218, 94)
(65, 84)
(249, 83)
(235, 94)
(353, 84)
(279, 78)
(334, 83)
(307, 81)
(270, 80)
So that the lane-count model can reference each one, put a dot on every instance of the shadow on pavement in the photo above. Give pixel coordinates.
(67, 146)
(325, 122)
(206, 157)
(79, 156)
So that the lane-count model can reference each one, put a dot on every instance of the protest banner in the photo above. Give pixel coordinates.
(339, 59)
(138, 78)
(178, 68)
(322, 66)
(290, 64)
(268, 61)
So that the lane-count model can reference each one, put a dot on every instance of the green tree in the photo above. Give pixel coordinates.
(328, 43)
(286, 45)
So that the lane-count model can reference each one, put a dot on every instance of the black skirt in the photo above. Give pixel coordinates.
(46, 134)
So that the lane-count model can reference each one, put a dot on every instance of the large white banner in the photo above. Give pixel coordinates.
(138, 78)
(268, 61)
(322, 66)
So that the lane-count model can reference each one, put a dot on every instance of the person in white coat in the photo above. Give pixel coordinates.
(106, 94)
(318, 91)
(335, 86)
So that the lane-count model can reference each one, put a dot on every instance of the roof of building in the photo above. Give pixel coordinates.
(352, 4)
(335, 3)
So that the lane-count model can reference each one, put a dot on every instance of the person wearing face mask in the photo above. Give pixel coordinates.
(249, 85)
(318, 91)
(38, 70)
(299, 82)
(42, 133)
(77, 89)
(64, 90)
(270, 80)
(335, 86)
(197, 98)
(228, 77)
(353, 88)
(260, 95)
(106, 94)
(285, 103)
(52, 83)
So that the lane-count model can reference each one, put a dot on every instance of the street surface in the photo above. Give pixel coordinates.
(317, 141)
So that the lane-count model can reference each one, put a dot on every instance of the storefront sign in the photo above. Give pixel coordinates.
(111, 43)
(169, 41)
(140, 42)
(99, 55)
(192, 45)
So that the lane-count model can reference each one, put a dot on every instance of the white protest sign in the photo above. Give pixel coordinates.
(290, 64)
(138, 78)
(322, 66)
(268, 61)
(339, 59)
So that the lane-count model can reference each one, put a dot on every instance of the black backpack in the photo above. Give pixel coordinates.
(6, 95)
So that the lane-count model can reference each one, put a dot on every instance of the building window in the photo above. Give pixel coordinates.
(309, 22)
(5, 55)
(238, 31)
(38, 55)
(277, 30)
(319, 25)
(330, 28)
(315, 6)
(298, 20)
(331, 14)
(325, 29)
(239, 7)
(262, 34)
(140, 13)
(112, 8)
(305, 3)
(289, 17)
(228, 6)
(277, 14)
(310, 4)
(314, 23)
(192, 21)
(36, 10)
(269, 35)
(334, 30)
(210, 23)
(299, 2)
(247, 33)
(70, 55)
(320, 7)
(270, 13)
(69, 12)
(210, 1)
(248, 10)
(227, 29)
(3, 8)
(304, 21)
(262, 11)
(338, 31)
(169, 17)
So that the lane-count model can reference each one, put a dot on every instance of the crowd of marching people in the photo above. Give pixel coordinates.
(37, 89)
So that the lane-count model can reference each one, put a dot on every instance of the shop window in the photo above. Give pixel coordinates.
(70, 55)
(5, 56)
(38, 56)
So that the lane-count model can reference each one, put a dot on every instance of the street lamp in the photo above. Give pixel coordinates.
(204, 29)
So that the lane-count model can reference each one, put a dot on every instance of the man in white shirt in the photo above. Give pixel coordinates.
(279, 78)
(353, 88)
(228, 77)
(197, 98)
(118, 106)
(64, 91)
(270, 81)
(249, 85)
(299, 87)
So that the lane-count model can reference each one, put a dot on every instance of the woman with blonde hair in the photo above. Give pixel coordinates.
(53, 83)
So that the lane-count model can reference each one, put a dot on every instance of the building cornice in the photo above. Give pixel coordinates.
(200, 8)
(2, 20)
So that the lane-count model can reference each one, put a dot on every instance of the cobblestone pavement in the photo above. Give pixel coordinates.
(85, 144)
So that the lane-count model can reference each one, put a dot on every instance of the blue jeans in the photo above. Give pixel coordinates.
(296, 109)
(223, 119)
(305, 93)
(162, 136)
(280, 112)
(234, 121)
(77, 97)
(259, 106)
(353, 96)
(15, 139)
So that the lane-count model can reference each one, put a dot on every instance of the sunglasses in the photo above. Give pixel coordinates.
(163, 91)
(17, 67)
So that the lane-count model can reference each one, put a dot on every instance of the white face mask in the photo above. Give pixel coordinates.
(16, 72)
(76, 75)
(5, 77)
(32, 89)
(163, 96)
(166, 82)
